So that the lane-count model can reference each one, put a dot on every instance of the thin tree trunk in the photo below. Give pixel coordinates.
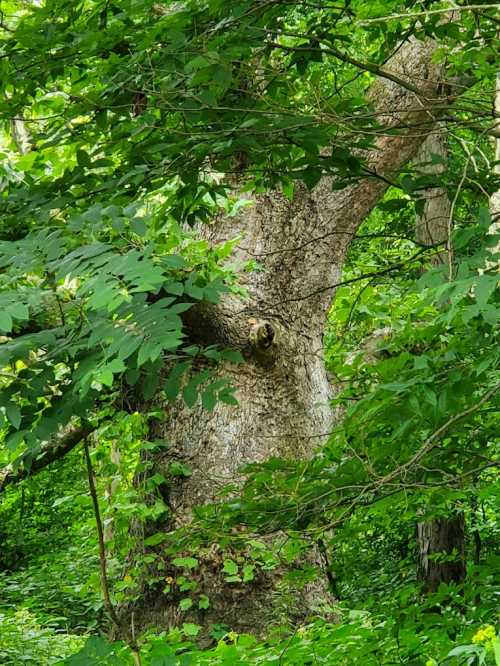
(108, 604)
(447, 535)
(111, 488)
(495, 197)
(438, 539)
(433, 225)
(441, 551)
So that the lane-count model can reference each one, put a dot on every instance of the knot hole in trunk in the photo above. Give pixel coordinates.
(262, 338)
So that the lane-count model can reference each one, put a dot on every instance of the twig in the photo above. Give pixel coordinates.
(389, 269)
(366, 66)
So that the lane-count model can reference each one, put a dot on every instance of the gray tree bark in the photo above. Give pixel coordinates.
(282, 388)
(433, 224)
(440, 541)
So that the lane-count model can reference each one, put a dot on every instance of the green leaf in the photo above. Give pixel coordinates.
(178, 308)
(196, 63)
(149, 351)
(484, 287)
(179, 469)
(62, 500)
(101, 119)
(208, 399)
(186, 562)
(176, 288)
(172, 385)
(128, 345)
(230, 567)
(105, 377)
(227, 397)
(116, 365)
(155, 444)
(155, 539)
(193, 290)
(496, 651)
(138, 226)
(13, 441)
(232, 355)
(174, 261)
(464, 649)
(311, 177)
(191, 629)
(83, 158)
(421, 363)
(190, 391)
(248, 572)
(104, 295)
(19, 311)
(222, 75)
(185, 604)
(288, 189)
(163, 656)
(5, 321)
(13, 414)
(203, 602)
(150, 384)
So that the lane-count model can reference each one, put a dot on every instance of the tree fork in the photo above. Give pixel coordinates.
(284, 396)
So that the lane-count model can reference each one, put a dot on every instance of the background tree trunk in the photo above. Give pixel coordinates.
(495, 197)
(433, 222)
(441, 551)
(111, 488)
(440, 536)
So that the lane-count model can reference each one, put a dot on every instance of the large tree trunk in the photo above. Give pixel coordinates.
(440, 541)
(282, 388)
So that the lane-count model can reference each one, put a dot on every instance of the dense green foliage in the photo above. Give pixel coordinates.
(124, 123)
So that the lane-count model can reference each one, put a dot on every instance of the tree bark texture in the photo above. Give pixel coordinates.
(433, 224)
(282, 388)
(441, 551)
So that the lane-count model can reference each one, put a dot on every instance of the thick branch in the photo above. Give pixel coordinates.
(318, 225)
(400, 113)
(301, 244)
(50, 452)
(344, 57)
